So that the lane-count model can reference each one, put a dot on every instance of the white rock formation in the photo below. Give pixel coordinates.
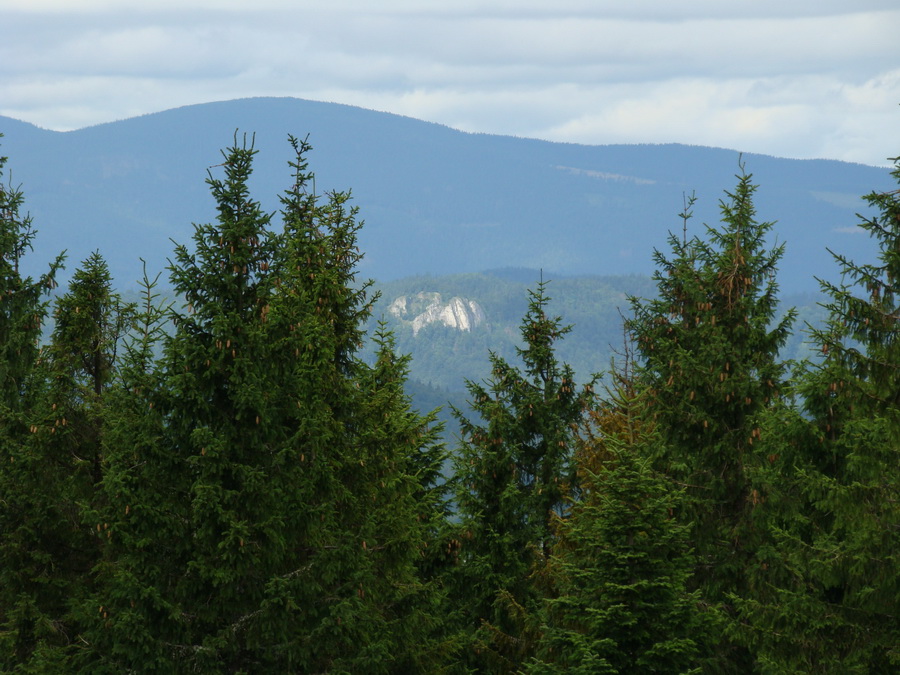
(425, 307)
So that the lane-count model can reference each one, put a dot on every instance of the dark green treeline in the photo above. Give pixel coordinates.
(223, 485)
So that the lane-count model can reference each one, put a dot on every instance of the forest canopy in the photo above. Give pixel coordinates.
(224, 483)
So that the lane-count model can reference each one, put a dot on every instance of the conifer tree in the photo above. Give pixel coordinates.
(709, 345)
(619, 600)
(24, 586)
(831, 489)
(406, 518)
(24, 307)
(371, 460)
(512, 472)
(286, 536)
(131, 617)
(58, 467)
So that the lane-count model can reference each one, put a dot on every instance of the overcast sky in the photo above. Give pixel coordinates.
(793, 78)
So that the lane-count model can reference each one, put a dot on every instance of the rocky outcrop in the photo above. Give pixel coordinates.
(425, 308)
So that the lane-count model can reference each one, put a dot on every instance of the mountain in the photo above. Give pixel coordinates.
(435, 200)
(446, 352)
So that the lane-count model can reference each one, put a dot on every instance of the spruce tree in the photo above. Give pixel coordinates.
(829, 595)
(709, 348)
(131, 618)
(373, 462)
(284, 534)
(512, 472)
(58, 468)
(618, 576)
(24, 305)
(28, 598)
(406, 511)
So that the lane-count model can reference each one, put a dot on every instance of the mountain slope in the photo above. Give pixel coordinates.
(435, 200)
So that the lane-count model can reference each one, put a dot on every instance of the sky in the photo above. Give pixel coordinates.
(790, 78)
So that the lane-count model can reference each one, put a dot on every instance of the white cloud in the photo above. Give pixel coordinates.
(805, 78)
(636, 8)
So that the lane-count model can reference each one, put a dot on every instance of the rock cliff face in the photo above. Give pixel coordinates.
(424, 308)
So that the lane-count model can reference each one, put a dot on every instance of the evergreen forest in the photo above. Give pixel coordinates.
(235, 480)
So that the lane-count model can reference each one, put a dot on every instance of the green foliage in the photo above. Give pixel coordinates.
(619, 572)
(862, 337)
(54, 472)
(824, 592)
(23, 309)
(622, 603)
(513, 469)
(233, 483)
(143, 535)
(446, 357)
(829, 594)
(31, 602)
(268, 495)
(711, 367)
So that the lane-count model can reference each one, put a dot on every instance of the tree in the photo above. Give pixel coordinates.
(407, 519)
(709, 345)
(23, 310)
(131, 615)
(620, 567)
(283, 532)
(829, 595)
(513, 470)
(371, 462)
(56, 470)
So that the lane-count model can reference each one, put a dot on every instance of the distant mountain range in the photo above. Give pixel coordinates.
(435, 200)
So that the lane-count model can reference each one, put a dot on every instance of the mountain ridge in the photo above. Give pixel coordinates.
(431, 123)
(435, 199)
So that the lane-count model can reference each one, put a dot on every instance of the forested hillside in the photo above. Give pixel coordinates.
(444, 357)
(230, 481)
(596, 307)
(436, 200)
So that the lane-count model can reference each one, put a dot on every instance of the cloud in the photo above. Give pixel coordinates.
(804, 78)
(635, 8)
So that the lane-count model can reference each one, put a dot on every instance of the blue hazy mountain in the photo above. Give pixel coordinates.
(435, 200)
